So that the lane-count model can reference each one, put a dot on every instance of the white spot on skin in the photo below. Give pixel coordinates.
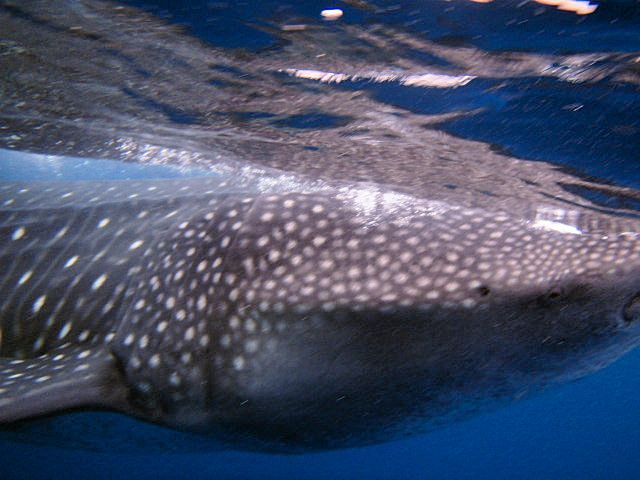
(273, 255)
(202, 302)
(451, 286)
(37, 305)
(319, 241)
(18, 233)
(98, 282)
(468, 303)
(174, 379)
(136, 244)
(65, 330)
(450, 269)
(251, 346)
(263, 241)
(104, 222)
(61, 233)
(452, 257)
(189, 334)
(238, 363)
(107, 307)
(37, 345)
(290, 227)
(71, 262)
(250, 325)
(25, 277)
(379, 239)
(154, 361)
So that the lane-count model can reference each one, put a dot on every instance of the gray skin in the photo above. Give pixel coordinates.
(332, 317)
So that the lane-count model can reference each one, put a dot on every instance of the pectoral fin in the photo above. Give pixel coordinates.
(65, 378)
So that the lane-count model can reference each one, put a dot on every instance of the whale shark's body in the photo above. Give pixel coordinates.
(291, 320)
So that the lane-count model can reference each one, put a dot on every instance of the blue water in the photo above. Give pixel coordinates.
(589, 429)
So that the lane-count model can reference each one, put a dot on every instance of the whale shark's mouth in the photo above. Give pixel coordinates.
(631, 310)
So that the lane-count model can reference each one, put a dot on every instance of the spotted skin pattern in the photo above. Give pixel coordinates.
(281, 320)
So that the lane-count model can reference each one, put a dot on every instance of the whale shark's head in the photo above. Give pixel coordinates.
(362, 320)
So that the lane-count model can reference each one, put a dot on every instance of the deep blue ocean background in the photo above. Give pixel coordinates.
(589, 429)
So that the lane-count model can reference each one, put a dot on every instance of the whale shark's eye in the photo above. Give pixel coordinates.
(550, 298)
(554, 295)
(483, 290)
(571, 292)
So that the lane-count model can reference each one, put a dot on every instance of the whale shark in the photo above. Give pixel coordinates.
(290, 319)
